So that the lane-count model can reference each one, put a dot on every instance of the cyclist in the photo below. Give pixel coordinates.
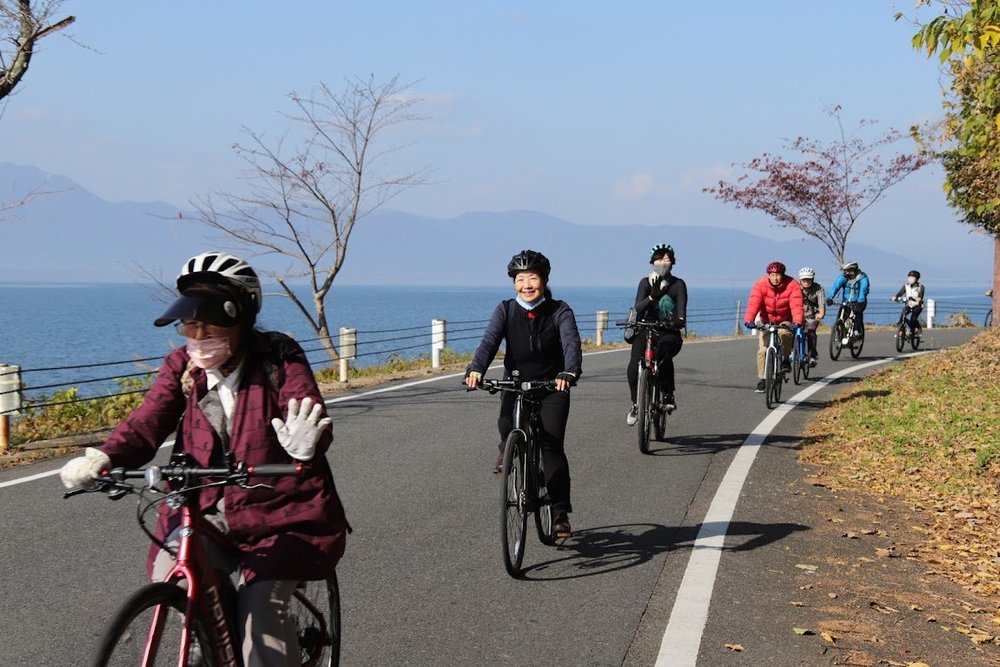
(234, 391)
(814, 307)
(774, 299)
(912, 292)
(854, 284)
(661, 296)
(542, 343)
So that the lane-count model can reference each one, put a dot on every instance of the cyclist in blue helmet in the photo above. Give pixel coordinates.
(661, 296)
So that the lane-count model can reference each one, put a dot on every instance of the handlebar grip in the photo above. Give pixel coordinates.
(276, 470)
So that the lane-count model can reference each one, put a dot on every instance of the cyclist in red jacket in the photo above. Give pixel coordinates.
(774, 299)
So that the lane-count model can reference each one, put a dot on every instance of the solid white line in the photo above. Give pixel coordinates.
(682, 638)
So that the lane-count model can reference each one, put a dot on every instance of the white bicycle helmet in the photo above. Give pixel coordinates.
(807, 272)
(850, 266)
(221, 269)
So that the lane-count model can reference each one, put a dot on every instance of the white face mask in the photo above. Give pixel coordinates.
(911, 280)
(209, 353)
(662, 270)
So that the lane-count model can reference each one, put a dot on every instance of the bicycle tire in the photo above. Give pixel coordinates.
(900, 337)
(857, 344)
(315, 610)
(659, 414)
(513, 513)
(836, 340)
(779, 379)
(644, 396)
(798, 361)
(914, 342)
(125, 640)
(543, 504)
(769, 377)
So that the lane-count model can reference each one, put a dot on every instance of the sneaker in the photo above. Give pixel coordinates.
(633, 415)
(760, 387)
(670, 404)
(845, 341)
(812, 362)
(560, 526)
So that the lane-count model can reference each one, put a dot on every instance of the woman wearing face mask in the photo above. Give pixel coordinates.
(543, 343)
(660, 297)
(237, 392)
(912, 292)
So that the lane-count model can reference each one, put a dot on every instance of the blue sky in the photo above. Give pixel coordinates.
(597, 112)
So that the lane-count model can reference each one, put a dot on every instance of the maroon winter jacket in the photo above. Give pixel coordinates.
(297, 529)
(775, 304)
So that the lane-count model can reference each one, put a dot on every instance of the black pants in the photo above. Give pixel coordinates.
(667, 345)
(859, 317)
(554, 413)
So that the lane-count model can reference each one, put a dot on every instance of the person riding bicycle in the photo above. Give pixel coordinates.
(660, 297)
(774, 299)
(542, 343)
(814, 308)
(235, 392)
(853, 282)
(912, 293)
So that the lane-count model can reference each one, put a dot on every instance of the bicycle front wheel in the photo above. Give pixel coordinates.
(543, 507)
(315, 610)
(148, 628)
(837, 334)
(900, 337)
(514, 514)
(644, 394)
(798, 361)
(659, 414)
(771, 378)
(915, 341)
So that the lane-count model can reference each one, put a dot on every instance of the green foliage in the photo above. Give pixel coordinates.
(64, 413)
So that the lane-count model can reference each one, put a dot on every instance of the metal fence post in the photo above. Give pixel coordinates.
(739, 331)
(439, 338)
(348, 350)
(931, 307)
(602, 326)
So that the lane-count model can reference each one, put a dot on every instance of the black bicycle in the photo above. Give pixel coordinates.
(651, 402)
(906, 332)
(774, 375)
(846, 332)
(188, 619)
(523, 491)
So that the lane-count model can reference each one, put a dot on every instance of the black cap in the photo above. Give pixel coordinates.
(210, 304)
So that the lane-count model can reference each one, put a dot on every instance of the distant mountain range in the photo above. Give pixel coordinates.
(71, 235)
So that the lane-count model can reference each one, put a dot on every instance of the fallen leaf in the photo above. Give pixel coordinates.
(796, 603)
(916, 607)
(734, 647)
(882, 608)
(807, 568)
(828, 637)
(803, 631)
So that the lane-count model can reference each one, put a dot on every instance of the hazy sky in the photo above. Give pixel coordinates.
(597, 112)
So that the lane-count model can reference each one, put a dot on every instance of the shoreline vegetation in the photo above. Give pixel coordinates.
(924, 432)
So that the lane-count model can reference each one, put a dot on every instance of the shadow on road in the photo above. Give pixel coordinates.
(606, 549)
(711, 443)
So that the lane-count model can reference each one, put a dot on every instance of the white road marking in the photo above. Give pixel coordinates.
(682, 638)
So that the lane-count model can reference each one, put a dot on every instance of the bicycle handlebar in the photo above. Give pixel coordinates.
(768, 326)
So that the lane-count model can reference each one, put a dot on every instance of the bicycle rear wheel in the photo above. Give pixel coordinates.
(644, 394)
(837, 334)
(147, 628)
(543, 505)
(514, 515)
(770, 377)
(315, 610)
(857, 344)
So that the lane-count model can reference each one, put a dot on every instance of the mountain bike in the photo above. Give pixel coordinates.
(905, 332)
(774, 376)
(800, 356)
(845, 332)
(523, 491)
(188, 619)
(651, 402)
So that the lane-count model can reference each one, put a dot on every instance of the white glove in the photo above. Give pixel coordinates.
(83, 470)
(300, 432)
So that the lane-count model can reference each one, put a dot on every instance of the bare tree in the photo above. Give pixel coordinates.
(304, 203)
(22, 25)
(824, 192)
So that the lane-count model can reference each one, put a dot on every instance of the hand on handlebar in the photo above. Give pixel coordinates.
(473, 379)
(749, 325)
(83, 471)
(564, 381)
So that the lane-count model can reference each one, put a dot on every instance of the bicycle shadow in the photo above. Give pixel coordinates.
(702, 443)
(607, 549)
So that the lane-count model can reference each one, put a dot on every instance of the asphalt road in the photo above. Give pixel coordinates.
(423, 581)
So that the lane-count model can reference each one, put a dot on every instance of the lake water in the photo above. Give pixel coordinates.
(51, 331)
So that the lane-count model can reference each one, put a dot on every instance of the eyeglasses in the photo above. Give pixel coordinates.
(188, 329)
